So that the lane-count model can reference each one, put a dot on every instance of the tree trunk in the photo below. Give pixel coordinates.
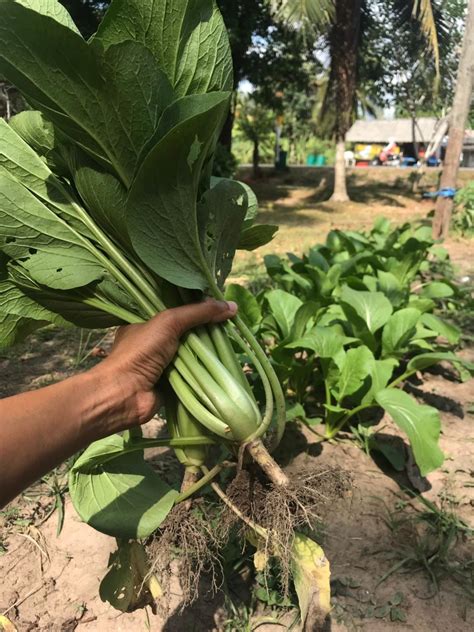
(413, 135)
(256, 159)
(226, 133)
(344, 44)
(457, 124)
(340, 188)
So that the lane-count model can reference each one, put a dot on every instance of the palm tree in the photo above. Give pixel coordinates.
(342, 19)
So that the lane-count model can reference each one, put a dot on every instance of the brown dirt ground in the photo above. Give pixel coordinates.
(298, 203)
(50, 583)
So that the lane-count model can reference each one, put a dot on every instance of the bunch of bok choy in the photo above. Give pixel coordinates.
(109, 214)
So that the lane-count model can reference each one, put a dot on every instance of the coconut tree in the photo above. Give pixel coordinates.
(341, 21)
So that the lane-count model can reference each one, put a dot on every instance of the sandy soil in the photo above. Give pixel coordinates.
(50, 583)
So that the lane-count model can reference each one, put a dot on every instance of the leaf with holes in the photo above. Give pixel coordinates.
(54, 253)
(129, 584)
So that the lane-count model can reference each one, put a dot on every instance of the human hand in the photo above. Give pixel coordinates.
(142, 352)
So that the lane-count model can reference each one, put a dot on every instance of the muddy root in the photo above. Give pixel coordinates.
(184, 549)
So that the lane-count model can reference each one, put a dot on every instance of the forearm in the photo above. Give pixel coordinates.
(40, 429)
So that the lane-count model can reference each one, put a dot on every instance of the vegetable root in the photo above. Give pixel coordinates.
(187, 546)
(279, 511)
(262, 457)
(190, 478)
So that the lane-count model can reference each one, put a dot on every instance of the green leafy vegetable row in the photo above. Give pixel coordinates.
(351, 320)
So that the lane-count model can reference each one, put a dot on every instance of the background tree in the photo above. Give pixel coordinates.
(282, 68)
(343, 20)
(86, 14)
(246, 21)
(415, 83)
(344, 40)
(256, 124)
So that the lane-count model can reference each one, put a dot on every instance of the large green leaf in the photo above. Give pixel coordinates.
(109, 104)
(424, 360)
(399, 330)
(52, 9)
(40, 135)
(105, 198)
(256, 236)
(23, 164)
(53, 253)
(437, 289)
(119, 493)
(356, 368)
(19, 315)
(83, 307)
(326, 342)
(162, 208)
(249, 309)
(381, 372)
(16, 303)
(421, 424)
(14, 329)
(136, 92)
(283, 307)
(373, 308)
(57, 72)
(187, 37)
(222, 211)
(304, 319)
(442, 328)
(390, 286)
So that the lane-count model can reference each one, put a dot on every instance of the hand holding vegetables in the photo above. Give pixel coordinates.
(42, 428)
(142, 352)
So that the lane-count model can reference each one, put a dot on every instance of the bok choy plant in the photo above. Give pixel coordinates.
(109, 214)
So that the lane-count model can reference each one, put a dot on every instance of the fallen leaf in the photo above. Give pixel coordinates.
(260, 560)
(6, 625)
(124, 586)
(311, 576)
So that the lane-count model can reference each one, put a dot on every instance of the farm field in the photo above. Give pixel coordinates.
(384, 545)
(298, 203)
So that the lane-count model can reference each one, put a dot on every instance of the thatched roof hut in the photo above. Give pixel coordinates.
(380, 131)
(404, 132)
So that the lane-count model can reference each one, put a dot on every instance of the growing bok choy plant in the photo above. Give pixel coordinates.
(352, 320)
(108, 215)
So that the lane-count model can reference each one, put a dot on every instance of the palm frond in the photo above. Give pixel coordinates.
(317, 14)
(429, 19)
(423, 12)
